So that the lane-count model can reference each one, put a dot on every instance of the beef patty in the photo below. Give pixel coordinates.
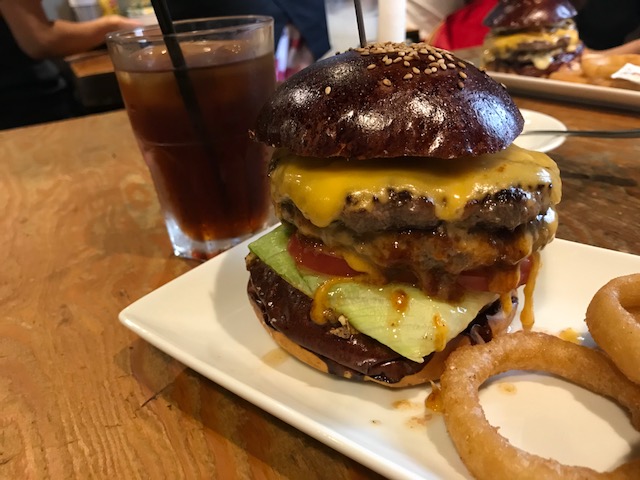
(404, 239)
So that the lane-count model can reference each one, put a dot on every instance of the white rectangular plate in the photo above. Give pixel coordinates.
(204, 320)
(579, 92)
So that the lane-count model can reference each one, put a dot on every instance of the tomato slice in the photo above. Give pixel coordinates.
(479, 279)
(315, 255)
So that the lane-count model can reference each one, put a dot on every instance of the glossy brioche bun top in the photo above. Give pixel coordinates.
(379, 102)
(516, 14)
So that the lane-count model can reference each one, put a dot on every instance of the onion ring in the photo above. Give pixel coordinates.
(613, 318)
(486, 453)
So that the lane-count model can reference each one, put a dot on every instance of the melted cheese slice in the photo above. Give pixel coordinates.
(501, 44)
(319, 187)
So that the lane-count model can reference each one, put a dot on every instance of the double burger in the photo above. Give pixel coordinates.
(531, 37)
(408, 217)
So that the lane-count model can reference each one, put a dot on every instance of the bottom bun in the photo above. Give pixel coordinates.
(284, 312)
(433, 368)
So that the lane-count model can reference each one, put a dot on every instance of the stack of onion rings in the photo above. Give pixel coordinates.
(486, 453)
(613, 318)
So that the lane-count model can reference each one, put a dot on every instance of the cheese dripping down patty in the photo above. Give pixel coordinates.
(319, 187)
(502, 44)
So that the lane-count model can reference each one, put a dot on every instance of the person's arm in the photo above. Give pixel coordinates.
(630, 47)
(41, 38)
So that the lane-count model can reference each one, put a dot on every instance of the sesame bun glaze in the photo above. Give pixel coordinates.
(390, 100)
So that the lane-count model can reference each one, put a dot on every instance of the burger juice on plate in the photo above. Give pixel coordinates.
(408, 217)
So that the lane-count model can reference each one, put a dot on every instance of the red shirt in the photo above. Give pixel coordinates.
(463, 28)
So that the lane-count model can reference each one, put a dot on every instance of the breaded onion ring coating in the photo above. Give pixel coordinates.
(486, 453)
(613, 318)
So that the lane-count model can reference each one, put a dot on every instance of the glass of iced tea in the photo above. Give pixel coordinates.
(192, 124)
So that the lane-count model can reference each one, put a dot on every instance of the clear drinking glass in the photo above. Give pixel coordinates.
(192, 124)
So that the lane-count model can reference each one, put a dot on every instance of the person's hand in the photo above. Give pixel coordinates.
(39, 38)
(632, 47)
(118, 22)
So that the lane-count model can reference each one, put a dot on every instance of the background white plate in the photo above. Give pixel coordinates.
(540, 121)
(204, 320)
(578, 92)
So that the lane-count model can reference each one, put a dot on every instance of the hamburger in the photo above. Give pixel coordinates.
(531, 37)
(408, 217)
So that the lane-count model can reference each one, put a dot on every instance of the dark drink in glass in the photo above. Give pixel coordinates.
(211, 178)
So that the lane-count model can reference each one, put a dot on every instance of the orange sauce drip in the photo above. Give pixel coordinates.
(434, 400)
(570, 335)
(402, 405)
(369, 273)
(505, 301)
(275, 357)
(526, 316)
(400, 300)
(503, 281)
(440, 340)
(508, 388)
(360, 264)
(321, 299)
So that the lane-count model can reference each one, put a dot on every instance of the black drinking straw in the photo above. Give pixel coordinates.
(360, 20)
(185, 85)
(180, 68)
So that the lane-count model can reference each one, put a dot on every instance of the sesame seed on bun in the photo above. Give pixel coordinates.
(390, 100)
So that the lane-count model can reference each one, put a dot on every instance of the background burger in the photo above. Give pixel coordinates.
(408, 218)
(531, 37)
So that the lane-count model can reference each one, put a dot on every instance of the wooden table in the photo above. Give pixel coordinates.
(81, 396)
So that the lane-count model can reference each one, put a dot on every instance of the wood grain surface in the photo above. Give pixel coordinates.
(83, 397)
